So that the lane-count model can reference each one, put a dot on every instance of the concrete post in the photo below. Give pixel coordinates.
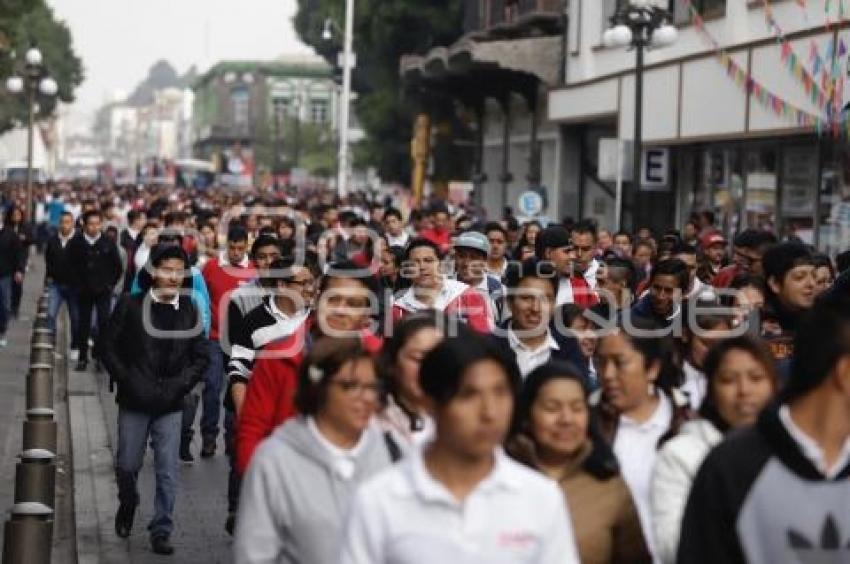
(40, 386)
(28, 535)
(35, 477)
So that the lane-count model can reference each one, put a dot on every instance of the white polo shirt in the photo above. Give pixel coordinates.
(636, 447)
(405, 516)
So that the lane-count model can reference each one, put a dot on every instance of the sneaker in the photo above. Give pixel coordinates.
(208, 447)
(124, 520)
(186, 454)
(161, 544)
(3, 343)
(230, 523)
(82, 366)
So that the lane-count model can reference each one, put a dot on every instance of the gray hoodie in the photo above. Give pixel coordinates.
(294, 499)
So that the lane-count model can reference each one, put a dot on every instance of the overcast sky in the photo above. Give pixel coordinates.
(119, 40)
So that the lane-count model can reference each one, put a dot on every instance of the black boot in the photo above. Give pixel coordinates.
(161, 544)
(208, 447)
(124, 519)
(186, 452)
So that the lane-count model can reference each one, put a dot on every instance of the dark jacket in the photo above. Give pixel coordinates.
(97, 267)
(568, 349)
(12, 252)
(60, 269)
(130, 245)
(147, 382)
(778, 328)
(758, 499)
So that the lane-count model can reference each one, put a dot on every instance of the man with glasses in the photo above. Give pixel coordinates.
(749, 247)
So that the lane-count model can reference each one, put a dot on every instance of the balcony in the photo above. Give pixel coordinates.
(513, 18)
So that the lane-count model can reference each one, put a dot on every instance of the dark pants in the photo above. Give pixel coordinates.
(100, 304)
(190, 408)
(213, 388)
(17, 294)
(5, 303)
(134, 429)
(233, 481)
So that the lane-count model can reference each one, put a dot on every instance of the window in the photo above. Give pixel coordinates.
(240, 97)
(609, 8)
(281, 107)
(709, 9)
(319, 111)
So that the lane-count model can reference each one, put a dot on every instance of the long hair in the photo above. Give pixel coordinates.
(601, 462)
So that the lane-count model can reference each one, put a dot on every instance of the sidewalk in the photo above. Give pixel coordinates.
(199, 536)
(14, 363)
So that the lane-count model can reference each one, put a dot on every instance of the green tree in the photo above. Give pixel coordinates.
(384, 31)
(22, 23)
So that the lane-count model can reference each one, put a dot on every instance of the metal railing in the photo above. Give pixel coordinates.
(28, 533)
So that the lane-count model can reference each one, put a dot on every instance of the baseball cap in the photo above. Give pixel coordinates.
(712, 238)
(473, 240)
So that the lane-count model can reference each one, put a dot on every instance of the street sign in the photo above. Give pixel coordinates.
(530, 204)
(655, 169)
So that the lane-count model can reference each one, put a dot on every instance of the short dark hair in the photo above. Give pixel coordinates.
(822, 339)
(237, 234)
(394, 212)
(90, 214)
(327, 356)
(495, 226)
(349, 271)
(421, 242)
(755, 239)
(531, 268)
(263, 241)
(133, 215)
(685, 249)
(624, 234)
(820, 260)
(407, 328)
(780, 259)
(842, 261)
(672, 267)
(584, 227)
(661, 349)
(442, 369)
(623, 265)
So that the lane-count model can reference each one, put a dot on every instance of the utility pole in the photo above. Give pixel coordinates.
(345, 109)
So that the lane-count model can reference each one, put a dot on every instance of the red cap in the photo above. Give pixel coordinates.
(713, 238)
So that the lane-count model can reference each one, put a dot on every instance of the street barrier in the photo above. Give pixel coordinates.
(28, 533)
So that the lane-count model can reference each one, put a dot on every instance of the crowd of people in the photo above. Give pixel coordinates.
(432, 387)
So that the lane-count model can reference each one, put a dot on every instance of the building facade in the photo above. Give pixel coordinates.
(741, 116)
(240, 105)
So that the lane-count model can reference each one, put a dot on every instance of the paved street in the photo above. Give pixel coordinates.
(199, 535)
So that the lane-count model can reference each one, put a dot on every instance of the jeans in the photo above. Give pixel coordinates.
(233, 481)
(59, 293)
(134, 428)
(87, 303)
(213, 387)
(5, 303)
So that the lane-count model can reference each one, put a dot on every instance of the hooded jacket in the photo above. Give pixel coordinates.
(758, 499)
(294, 499)
(675, 469)
(455, 298)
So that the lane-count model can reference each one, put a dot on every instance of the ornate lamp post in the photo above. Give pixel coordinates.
(35, 80)
(638, 25)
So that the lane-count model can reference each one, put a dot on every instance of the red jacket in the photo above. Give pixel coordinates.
(440, 237)
(270, 396)
(456, 298)
(222, 279)
(725, 276)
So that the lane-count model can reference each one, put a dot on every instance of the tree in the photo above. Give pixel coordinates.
(384, 31)
(22, 23)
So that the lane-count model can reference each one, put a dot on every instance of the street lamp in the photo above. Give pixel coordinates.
(639, 24)
(345, 103)
(34, 81)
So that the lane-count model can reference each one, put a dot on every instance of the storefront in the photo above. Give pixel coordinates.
(797, 186)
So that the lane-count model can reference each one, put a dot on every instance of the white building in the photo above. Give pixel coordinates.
(732, 148)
